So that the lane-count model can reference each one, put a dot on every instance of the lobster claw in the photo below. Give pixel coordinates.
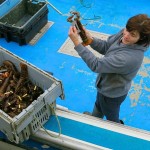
(69, 19)
(75, 20)
(75, 15)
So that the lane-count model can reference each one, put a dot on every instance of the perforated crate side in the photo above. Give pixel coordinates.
(39, 119)
(28, 114)
(20, 130)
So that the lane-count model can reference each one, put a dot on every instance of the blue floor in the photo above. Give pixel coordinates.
(77, 78)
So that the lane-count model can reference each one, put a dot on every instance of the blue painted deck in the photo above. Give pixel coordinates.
(77, 78)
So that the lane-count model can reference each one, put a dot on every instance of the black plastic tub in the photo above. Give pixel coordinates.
(1, 1)
(23, 22)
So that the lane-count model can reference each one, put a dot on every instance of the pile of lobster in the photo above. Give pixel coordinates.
(16, 90)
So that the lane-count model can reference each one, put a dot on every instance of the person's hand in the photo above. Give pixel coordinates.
(73, 34)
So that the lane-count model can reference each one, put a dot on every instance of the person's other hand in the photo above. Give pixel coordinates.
(73, 34)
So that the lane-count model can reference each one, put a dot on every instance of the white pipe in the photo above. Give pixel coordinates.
(54, 7)
(64, 142)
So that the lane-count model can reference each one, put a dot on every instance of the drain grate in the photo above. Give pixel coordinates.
(68, 47)
(41, 33)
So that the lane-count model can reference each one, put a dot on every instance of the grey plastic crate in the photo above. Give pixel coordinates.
(24, 21)
(20, 127)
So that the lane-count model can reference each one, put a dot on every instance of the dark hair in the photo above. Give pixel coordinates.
(140, 23)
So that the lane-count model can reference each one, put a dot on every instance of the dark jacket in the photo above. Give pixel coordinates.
(117, 68)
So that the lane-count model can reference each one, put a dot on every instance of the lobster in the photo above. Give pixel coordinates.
(75, 20)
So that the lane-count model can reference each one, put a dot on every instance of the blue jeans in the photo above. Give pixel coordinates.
(108, 107)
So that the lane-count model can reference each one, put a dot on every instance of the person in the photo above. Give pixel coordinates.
(123, 55)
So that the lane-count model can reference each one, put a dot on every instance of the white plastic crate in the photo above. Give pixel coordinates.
(7, 5)
(20, 127)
